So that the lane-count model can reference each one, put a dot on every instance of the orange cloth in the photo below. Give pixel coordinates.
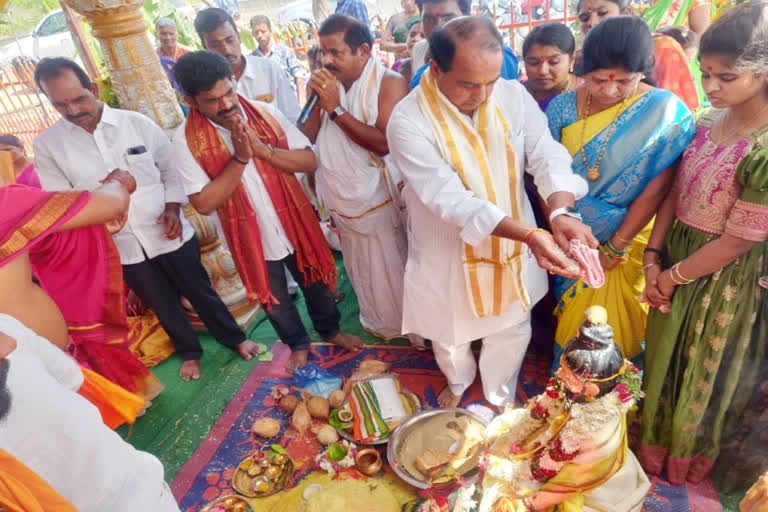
(149, 341)
(297, 216)
(672, 71)
(21, 490)
(116, 405)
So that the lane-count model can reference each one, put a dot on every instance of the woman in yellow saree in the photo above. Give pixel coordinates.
(625, 137)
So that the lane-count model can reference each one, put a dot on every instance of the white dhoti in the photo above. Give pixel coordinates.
(353, 184)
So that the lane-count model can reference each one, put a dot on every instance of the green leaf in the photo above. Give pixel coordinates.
(336, 452)
(276, 448)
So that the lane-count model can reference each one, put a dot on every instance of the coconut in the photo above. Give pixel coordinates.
(301, 418)
(318, 407)
(288, 403)
(336, 399)
(266, 427)
(326, 434)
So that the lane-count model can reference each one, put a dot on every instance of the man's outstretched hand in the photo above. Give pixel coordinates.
(565, 229)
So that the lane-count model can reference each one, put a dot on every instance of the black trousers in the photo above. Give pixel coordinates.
(284, 316)
(160, 281)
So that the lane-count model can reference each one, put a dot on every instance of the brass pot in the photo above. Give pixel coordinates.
(368, 461)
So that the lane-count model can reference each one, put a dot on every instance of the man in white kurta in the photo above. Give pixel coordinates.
(257, 78)
(356, 180)
(60, 435)
(449, 221)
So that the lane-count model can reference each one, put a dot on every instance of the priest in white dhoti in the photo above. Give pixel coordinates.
(355, 179)
(462, 141)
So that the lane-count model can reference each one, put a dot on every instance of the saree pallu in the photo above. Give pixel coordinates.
(650, 134)
(672, 71)
(22, 490)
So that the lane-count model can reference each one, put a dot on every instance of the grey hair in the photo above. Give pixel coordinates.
(164, 22)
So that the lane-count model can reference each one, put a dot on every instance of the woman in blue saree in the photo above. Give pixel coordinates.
(625, 137)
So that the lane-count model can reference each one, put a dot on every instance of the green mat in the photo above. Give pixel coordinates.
(184, 413)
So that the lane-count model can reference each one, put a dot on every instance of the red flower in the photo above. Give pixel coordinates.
(513, 449)
(552, 393)
(625, 395)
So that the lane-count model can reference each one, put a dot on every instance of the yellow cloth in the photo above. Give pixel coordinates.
(481, 153)
(149, 341)
(385, 489)
(623, 284)
(21, 490)
(7, 173)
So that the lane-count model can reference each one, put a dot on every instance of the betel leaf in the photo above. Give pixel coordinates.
(336, 452)
(335, 422)
(276, 448)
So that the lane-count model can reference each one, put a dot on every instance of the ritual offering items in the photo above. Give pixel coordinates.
(266, 427)
(368, 462)
(326, 434)
(338, 456)
(301, 418)
(437, 447)
(288, 404)
(336, 399)
(377, 405)
(351, 495)
(318, 407)
(263, 474)
(568, 446)
(228, 504)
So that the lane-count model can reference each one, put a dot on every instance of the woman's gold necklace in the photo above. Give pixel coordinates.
(593, 173)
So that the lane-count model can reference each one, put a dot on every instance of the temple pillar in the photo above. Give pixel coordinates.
(140, 84)
(138, 79)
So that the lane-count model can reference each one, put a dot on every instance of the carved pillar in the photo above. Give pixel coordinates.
(139, 81)
(141, 85)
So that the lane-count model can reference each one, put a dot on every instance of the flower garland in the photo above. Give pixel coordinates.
(338, 456)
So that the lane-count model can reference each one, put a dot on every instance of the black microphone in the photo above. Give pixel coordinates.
(308, 107)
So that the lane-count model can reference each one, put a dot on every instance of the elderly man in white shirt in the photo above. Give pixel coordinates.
(462, 143)
(158, 248)
(47, 426)
(257, 78)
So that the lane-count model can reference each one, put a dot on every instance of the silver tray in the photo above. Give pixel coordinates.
(397, 436)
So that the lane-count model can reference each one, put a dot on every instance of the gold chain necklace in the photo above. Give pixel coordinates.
(593, 173)
(727, 117)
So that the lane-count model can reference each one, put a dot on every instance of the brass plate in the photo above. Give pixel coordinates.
(207, 507)
(242, 481)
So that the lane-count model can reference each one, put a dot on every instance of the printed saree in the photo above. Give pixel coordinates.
(650, 134)
(672, 71)
(703, 358)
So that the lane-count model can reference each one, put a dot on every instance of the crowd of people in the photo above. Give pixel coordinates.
(457, 192)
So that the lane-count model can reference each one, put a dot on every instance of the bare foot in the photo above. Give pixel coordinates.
(190, 370)
(248, 350)
(297, 360)
(347, 341)
(447, 399)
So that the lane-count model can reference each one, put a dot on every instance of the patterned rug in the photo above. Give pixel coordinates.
(208, 473)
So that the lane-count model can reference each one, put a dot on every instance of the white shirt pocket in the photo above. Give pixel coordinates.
(143, 168)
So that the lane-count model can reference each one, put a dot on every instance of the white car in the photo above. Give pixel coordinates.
(50, 38)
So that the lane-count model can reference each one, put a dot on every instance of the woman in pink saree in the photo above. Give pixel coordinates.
(80, 270)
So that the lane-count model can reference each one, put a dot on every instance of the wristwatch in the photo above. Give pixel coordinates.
(565, 210)
(336, 112)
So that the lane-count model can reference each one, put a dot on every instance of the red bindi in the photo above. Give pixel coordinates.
(709, 68)
(610, 77)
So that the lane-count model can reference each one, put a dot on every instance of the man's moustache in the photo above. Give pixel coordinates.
(228, 111)
(331, 67)
(78, 116)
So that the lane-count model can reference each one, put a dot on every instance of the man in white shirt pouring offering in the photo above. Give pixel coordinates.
(476, 262)
(158, 249)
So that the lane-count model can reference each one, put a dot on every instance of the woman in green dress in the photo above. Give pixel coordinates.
(706, 341)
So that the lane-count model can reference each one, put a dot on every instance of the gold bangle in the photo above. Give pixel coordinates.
(621, 238)
(673, 278)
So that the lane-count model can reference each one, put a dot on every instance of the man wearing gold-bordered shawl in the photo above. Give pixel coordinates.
(462, 141)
